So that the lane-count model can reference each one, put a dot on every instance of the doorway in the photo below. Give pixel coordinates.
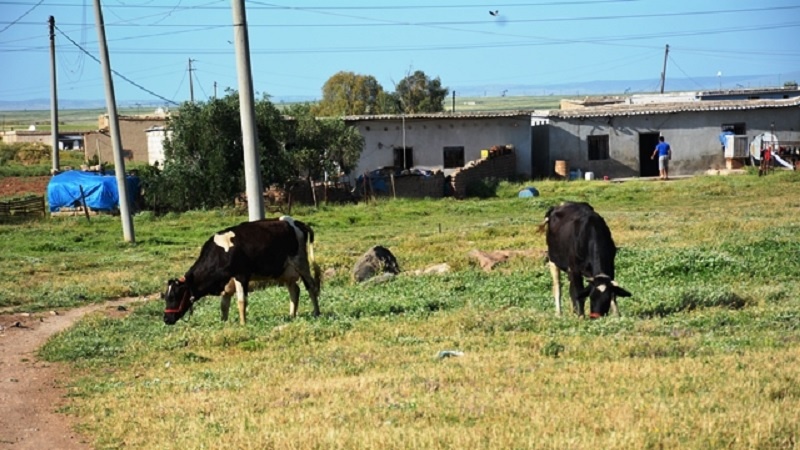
(647, 143)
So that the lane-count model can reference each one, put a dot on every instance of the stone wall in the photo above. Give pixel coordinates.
(503, 166)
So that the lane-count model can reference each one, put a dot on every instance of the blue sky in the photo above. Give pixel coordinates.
(297, 45)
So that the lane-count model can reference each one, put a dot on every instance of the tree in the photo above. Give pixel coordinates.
(347, 93)
(203, 159)
(419, 94)
(320, 146)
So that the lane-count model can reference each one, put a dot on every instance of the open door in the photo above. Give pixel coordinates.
(647, 143)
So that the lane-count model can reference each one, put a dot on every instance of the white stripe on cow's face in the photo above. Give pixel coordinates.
(225, 240)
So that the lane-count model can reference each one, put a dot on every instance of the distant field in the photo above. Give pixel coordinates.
(86, 119)
(69, 120)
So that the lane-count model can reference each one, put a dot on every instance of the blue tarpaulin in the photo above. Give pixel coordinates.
(64, 190)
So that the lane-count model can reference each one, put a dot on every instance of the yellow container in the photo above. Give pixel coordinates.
(485, 154)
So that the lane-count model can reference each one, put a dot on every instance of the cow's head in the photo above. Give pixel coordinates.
(179, 300)
(602, 291)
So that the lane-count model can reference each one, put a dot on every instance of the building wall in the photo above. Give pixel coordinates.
(133, 134)
(19, 136)
(693, 136)
(429, 136)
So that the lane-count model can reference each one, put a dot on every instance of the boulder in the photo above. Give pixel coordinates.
(375, 261)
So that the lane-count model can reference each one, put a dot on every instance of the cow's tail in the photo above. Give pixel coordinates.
(543, 226)
(309, 232)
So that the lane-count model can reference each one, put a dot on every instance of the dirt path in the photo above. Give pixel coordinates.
(32, 390)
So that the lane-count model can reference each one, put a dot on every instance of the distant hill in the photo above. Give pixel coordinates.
(487, 90)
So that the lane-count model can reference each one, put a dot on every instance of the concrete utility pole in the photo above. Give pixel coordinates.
(191, 82)
(664, 70)
(252, 161)
(215, 89)
(53, 96)
(454, 101)
(113, 124)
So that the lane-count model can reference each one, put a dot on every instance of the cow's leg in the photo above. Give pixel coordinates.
(615, 308)
(225, 299)
(312, 287)
(311, 282)
(294, 298)
(556, 274)
(575, 289)
(241, 299)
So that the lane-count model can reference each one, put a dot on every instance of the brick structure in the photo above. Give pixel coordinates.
(133, 134)
(503, 166)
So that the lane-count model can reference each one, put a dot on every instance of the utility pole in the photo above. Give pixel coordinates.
(252, 161)
(113, 125)
(191, 82)
(664, 70)
(53, 96)
(454, 101)
(215, 89)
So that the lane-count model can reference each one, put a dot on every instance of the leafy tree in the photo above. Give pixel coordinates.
(322, 145)
(203, 159)
(347, 93)
(418, 93)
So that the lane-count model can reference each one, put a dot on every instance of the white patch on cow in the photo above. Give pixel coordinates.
(225, 240)
(288, 219)
(297, 231)
(602, 288)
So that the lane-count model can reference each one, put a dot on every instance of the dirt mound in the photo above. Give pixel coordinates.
(20, 186)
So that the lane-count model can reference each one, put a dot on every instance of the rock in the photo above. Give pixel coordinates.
(375, 261)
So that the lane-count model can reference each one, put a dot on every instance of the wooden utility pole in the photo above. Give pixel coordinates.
(252, 161)
(664, 70)
(113, 125)
(191, 82)
(53, 96)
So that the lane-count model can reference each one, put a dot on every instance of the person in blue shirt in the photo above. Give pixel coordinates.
(664, 153)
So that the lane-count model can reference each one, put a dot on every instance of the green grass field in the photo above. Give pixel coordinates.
(706, 354)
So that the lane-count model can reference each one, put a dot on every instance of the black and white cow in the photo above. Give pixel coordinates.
(272, 250)
(579, 243)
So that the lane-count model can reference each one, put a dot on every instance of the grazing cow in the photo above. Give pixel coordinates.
(579, 243)
(272, 250)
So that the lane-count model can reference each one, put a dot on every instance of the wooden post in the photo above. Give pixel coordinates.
(83, 200)
(313, 192)
(394, 192)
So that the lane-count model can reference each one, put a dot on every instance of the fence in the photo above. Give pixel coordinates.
(23, 207)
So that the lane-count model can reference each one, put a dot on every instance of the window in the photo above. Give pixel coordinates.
(738, 129)
(598, 147)
(404, 160)
(453, 157)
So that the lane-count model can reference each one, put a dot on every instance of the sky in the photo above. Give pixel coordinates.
(297, 45)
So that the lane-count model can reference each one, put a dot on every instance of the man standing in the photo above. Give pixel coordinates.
(664, 153)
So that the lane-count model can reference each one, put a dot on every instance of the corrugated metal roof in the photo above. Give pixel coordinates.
(439, 116)
(667, 108)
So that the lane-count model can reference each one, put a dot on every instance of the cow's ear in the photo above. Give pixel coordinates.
(620, 292)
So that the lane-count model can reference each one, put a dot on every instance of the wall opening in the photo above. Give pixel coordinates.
(404, 159)
(647, 143)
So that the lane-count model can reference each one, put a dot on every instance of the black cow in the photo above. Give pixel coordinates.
(272, 250)
(579, 243)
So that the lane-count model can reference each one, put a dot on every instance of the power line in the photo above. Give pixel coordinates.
(684, 72)
(10, 24)
(115, 72)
